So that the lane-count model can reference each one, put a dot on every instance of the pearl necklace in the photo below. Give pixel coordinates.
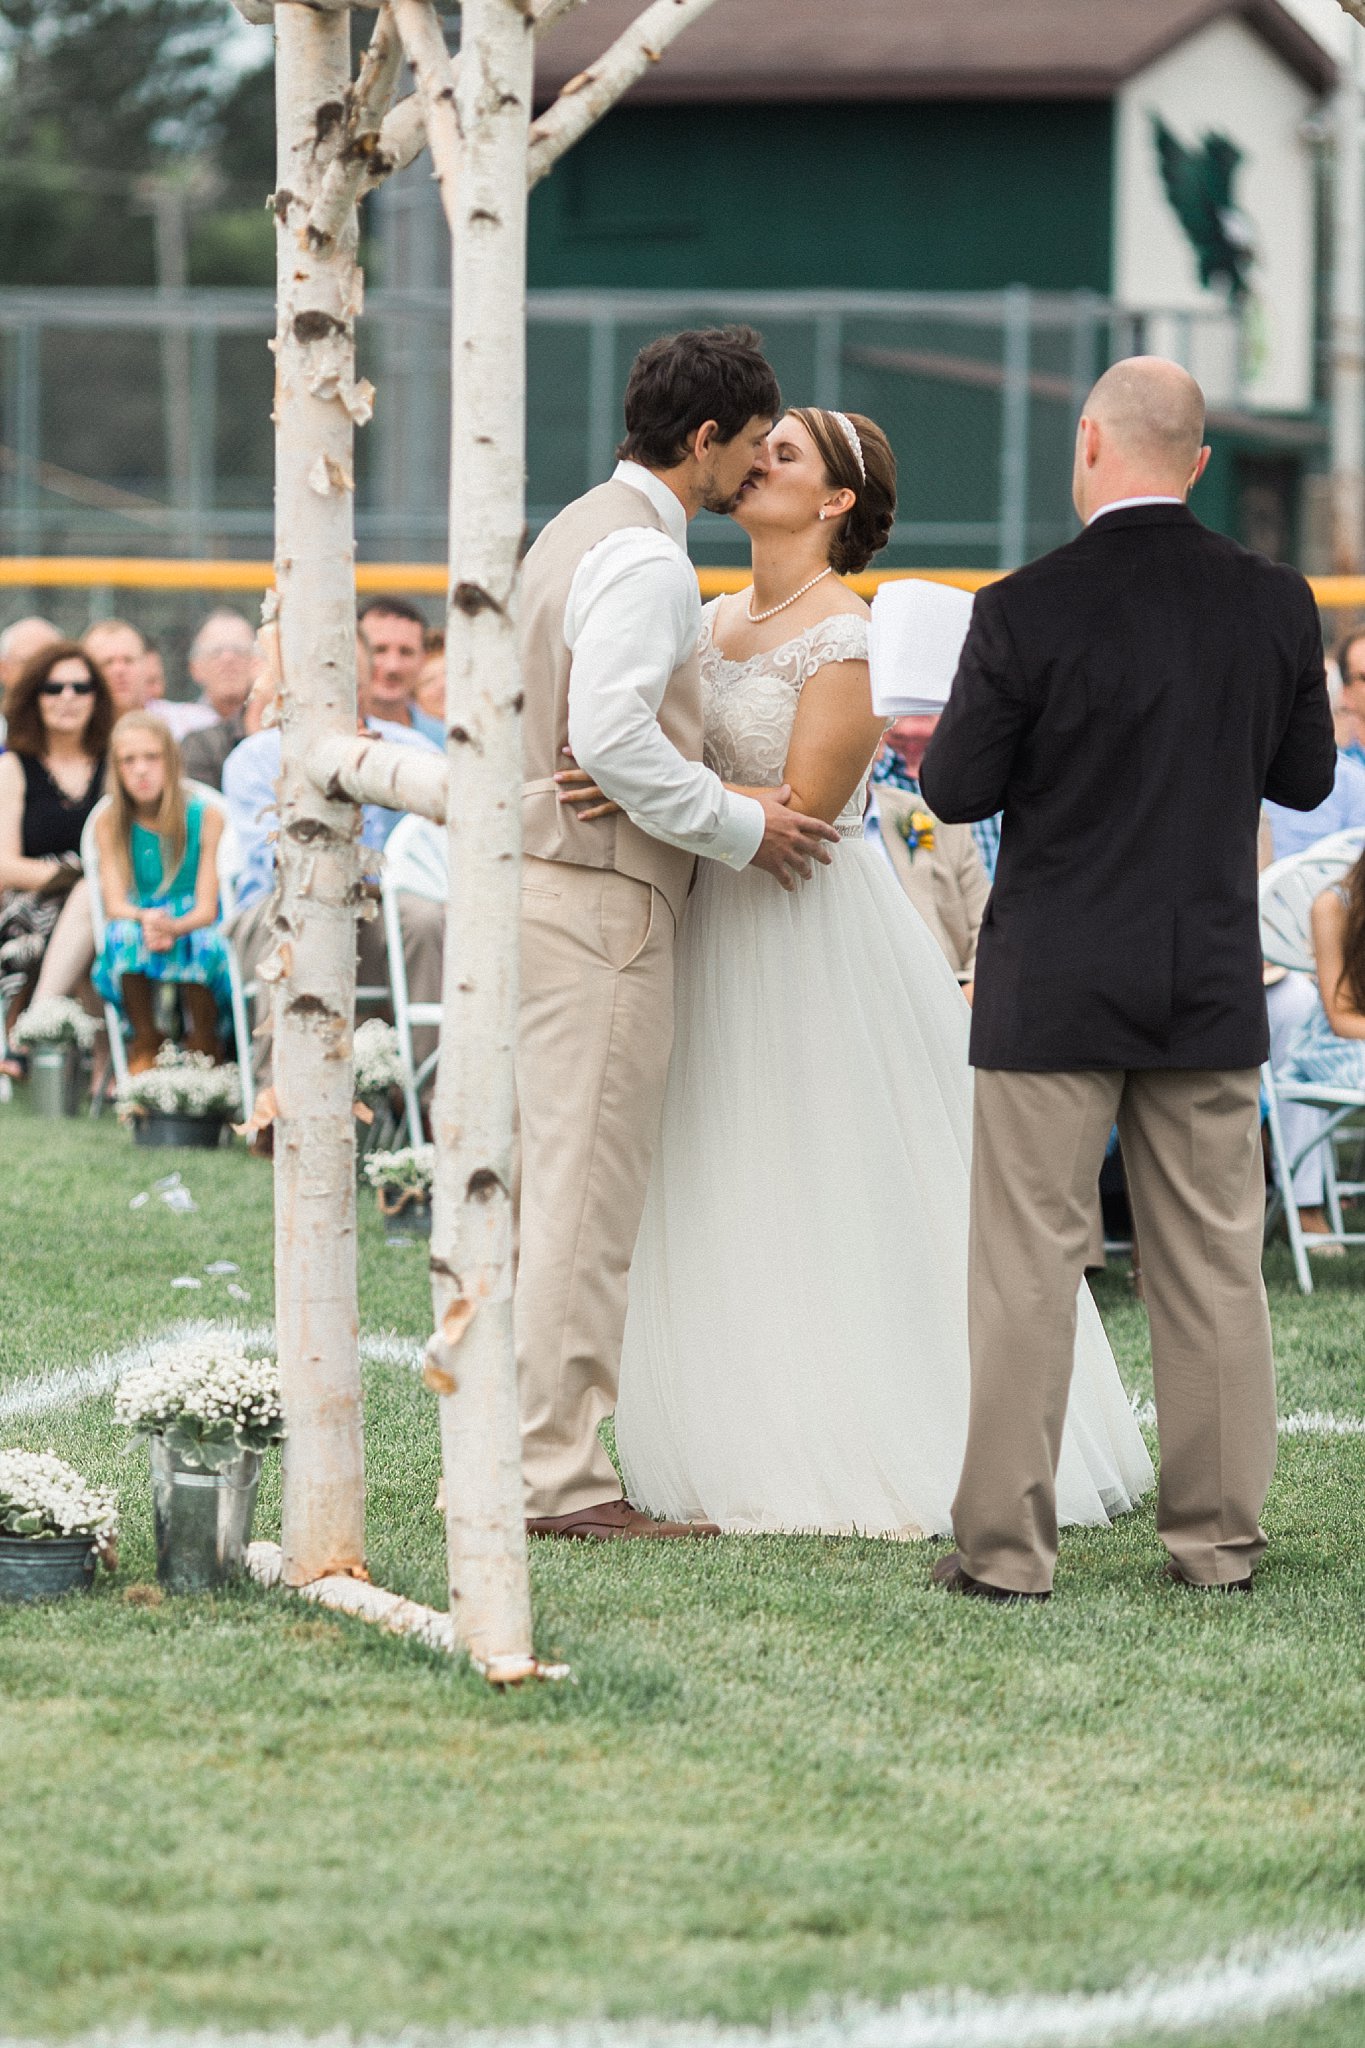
(757, 618)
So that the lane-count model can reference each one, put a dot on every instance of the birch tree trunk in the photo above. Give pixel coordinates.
(313, 964)
(471, 1362)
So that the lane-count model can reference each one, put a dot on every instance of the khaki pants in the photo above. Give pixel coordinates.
(423, 927)
(1191, 1146)
(592, 1057)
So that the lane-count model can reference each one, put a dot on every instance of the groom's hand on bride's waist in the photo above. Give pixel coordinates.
(791, 842)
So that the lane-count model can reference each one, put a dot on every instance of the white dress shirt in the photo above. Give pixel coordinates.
(633, 617)
(1127, 504)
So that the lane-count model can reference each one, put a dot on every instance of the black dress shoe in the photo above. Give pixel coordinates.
(1171, 1570)
(952, 1575)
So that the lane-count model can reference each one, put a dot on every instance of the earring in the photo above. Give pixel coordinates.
(822, 511)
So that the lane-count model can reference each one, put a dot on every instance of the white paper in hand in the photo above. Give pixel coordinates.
(916, 642)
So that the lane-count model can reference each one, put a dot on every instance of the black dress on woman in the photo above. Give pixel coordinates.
(50, 830)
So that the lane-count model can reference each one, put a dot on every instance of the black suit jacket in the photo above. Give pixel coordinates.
(1127, 702)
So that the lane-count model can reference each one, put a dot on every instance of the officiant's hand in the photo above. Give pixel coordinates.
(577, 788)
(790, 841)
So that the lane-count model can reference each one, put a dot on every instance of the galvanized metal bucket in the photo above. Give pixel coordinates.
(45, 1567)
(53, 1080)
(197, 1133)
(202, 1519)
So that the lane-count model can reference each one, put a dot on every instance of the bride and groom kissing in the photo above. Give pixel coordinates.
(824, 1281)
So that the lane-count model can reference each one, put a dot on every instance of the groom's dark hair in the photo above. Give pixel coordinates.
(682, 380)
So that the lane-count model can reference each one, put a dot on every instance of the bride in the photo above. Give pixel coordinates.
(798, 1360)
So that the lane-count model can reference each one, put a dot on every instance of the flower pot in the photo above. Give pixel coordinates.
(202, 1519)
(53, 1080)
(45, 1567)
(406, 1211)
(155, 1127)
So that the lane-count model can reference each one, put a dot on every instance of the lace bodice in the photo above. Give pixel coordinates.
(750, 706)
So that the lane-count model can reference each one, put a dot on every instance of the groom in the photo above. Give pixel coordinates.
(610, 618)
(1128, 701)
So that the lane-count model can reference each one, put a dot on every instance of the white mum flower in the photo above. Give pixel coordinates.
(41, 1495)
(56, 1020)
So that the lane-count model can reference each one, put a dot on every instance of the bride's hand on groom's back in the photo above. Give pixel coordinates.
(791, 842)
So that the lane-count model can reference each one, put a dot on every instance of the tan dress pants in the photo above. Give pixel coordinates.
(1191, 1146)
(593, 1046)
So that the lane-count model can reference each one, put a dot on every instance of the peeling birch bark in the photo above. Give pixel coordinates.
(586, 98)
(313, 914)
(375, 771)
(471, 1355)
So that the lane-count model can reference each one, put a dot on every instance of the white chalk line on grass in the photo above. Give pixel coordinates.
(41, 1393)
(67, 1385)
(1244, 1989)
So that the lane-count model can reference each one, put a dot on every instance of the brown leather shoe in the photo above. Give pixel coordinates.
(951, 1574)
(1171, 1570)
(612, 1521)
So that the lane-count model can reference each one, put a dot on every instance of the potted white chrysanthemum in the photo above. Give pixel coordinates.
(378, 1072)
(402, 1181)
(54, 1527)
(54, 1033)
(207, 1412)
(185, 1099)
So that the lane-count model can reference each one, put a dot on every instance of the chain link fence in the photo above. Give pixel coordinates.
(138, 422)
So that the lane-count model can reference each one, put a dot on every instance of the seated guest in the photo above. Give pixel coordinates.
(1329, 1048)
(158, 851)
(51, 779)
(1296, 831)
(1290, 1000)
(395, 632)
(428, 705)
(154, 672)
(121, 653)
(937, 865)
(223, 665)
(250, 775)
(1350, 659)
(18, 644)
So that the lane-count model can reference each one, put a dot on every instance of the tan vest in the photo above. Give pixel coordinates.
(551, 830)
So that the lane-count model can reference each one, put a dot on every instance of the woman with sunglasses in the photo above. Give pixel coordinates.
(60, 716)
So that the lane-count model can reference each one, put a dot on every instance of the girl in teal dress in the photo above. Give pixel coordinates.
(1330, 1048)
(158, 857)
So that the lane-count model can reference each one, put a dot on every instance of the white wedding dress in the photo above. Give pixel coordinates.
(796, 1344)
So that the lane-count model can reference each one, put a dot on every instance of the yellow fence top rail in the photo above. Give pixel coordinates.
(150, 572)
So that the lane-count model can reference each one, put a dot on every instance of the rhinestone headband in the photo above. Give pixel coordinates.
(851, 436)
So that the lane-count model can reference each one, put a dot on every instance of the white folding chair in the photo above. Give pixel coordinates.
(1288, 890)
(229, 864)
(414, 865)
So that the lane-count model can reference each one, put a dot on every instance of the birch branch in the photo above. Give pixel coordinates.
(587, 98)
(546, 14)
(402, 134)
(367, 104)
(425, 49)
(394, 1614)
(375, 771)
(402, 138)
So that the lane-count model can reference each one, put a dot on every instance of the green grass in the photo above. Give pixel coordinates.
(786, 1771)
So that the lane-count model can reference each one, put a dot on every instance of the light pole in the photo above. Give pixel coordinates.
(1348, 314)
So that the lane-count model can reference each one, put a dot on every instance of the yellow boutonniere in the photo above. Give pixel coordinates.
(917, 830)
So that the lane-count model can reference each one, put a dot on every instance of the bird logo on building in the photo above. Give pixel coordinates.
(1199, 186)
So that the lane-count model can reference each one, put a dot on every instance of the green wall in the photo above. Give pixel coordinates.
(965, 196)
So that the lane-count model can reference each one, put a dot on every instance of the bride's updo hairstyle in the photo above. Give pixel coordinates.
(863, 532)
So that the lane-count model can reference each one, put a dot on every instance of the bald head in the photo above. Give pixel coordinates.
(20, 642)
(1141, 434)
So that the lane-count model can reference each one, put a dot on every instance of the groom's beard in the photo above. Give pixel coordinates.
(714, 501)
